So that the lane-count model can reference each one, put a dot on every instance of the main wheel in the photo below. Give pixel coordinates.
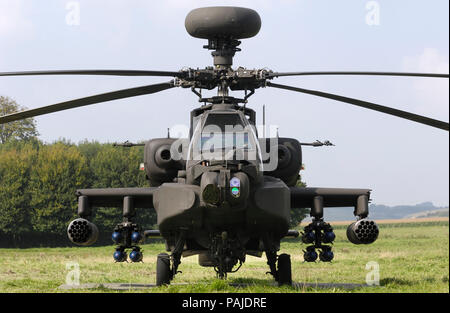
(284, 270)
(163, 269)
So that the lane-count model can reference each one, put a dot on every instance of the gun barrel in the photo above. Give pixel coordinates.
(152, 233)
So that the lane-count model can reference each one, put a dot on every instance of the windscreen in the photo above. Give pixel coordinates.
(224, 136)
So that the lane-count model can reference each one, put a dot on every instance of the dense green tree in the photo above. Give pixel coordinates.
(90, 149)
(21, 130)
(118, 167)
(59, 170)
(298, 214)
(15, 169)
(38, 183)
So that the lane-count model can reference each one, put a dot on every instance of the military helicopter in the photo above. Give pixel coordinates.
(225, 192)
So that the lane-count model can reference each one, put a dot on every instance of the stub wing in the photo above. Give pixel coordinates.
(114, 197)
(319, 198)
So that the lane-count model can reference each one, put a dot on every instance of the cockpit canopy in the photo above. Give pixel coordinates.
(222, 136)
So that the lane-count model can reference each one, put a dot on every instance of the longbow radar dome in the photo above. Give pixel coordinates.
(223, 22)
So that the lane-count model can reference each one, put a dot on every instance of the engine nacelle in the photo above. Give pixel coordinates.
(82, 232)
(289, 154)
(160, 164)
(363, 231)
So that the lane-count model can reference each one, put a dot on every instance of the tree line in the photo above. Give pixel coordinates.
(38, 183)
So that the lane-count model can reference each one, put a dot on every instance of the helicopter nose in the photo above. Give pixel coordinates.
(217, 187)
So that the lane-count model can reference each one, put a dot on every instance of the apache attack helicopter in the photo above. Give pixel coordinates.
(225, 192)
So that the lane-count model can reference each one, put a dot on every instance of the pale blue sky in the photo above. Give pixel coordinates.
(403, 162)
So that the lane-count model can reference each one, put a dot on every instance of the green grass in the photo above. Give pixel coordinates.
(411, 258)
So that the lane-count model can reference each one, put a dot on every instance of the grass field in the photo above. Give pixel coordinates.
(412, 257)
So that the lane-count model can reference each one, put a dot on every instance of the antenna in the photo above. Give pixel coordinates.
(264, 121)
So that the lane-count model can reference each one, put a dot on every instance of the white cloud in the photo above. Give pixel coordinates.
(433, 93)
(430, 60)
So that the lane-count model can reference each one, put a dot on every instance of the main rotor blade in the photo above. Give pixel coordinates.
(114, 95)
(95, 72)
(436, 75)
(368, 105)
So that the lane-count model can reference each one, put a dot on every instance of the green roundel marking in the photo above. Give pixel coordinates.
(235, 191)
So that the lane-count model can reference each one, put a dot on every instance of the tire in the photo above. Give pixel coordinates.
(163, 269)
(284, 270)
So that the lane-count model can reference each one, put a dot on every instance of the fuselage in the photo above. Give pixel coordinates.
(223, 188)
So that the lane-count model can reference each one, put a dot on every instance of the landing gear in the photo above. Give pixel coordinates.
(284, 270)
(164, 271)
(280, 267)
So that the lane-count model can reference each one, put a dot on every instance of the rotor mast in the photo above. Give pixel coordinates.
(224, 51)
(223, 27)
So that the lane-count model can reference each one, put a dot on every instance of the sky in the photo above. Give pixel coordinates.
(401, 161)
